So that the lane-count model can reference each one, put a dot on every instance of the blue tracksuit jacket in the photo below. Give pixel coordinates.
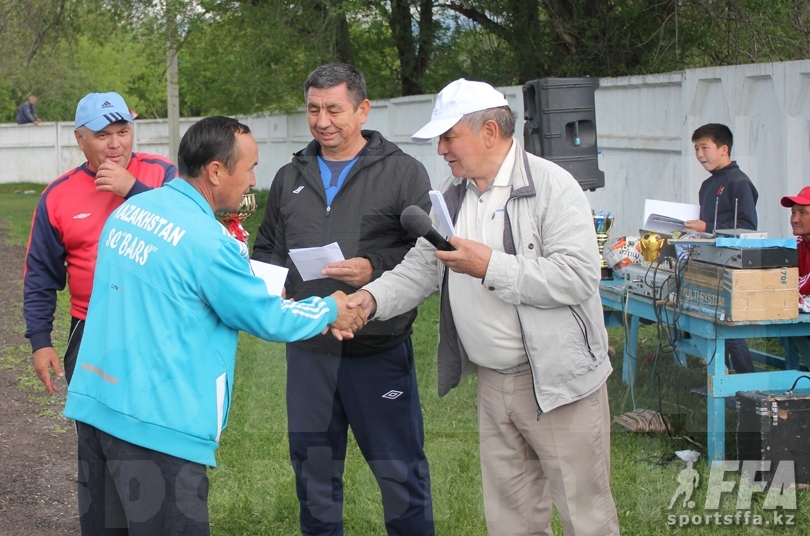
(170, 293)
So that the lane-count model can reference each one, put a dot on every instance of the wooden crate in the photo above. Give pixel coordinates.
(740, 294)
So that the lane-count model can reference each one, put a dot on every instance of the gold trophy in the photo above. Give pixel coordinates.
(603, 223)
(651, 244)
(233, 220)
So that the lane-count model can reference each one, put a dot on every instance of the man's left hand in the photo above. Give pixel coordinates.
(111, 177)
(470, 257)
(695, 225)
(356, 272)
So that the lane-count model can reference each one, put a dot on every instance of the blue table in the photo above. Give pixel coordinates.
(708, 336)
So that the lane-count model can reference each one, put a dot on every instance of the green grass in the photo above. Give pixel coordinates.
(645, 468)
(17, 202)
(252, 489)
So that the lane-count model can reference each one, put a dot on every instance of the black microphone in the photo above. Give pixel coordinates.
(416, 222)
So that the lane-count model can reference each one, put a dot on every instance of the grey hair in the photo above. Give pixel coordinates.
(333, 74)
(503, 117)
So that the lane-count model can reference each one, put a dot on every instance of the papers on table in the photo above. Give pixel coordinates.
(440, 208)
(273, 276)
(666, 217)
(310, 261)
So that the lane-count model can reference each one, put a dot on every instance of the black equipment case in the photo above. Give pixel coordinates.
(775, 426)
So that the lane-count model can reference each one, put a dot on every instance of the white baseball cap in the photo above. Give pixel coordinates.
(456, 100)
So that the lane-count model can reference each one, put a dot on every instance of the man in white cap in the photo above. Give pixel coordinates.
(68, 220)
(520, 306)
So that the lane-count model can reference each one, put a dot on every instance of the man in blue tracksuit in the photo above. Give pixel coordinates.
(154, 375)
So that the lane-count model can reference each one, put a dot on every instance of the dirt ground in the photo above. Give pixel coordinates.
(37, 446)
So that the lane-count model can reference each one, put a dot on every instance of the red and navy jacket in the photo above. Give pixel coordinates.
(64, 236)
(804, 266)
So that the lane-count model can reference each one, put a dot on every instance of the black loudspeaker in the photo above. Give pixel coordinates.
(560, 126)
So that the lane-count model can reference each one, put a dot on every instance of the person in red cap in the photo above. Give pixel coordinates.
(799, 206)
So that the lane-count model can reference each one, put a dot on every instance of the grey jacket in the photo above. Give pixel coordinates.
(549, 271)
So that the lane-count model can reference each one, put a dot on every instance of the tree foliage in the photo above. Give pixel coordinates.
(29, 30)
(91, 48)
(624, 37)
(247, 56)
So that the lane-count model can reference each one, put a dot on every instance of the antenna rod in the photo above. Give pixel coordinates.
(716, 203)
(736, 201)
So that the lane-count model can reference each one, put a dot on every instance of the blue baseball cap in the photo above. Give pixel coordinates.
(97, 110)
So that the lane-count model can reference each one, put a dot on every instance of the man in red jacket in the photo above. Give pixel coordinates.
(68, 219)
(799, 206)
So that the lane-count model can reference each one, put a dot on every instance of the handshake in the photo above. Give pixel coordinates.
(353, 313)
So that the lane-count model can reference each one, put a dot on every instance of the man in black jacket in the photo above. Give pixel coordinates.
(350, 186)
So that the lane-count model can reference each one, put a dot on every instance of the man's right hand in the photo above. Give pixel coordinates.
(349, 319)
(46, 359)
(111, 177)
(364, 300)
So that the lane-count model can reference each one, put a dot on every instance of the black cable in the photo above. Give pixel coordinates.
(668, 315)
(792, 387)
(716, 307)
(625, 297)
(665, 343)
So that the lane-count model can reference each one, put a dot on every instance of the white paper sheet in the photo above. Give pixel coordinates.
(273, 276)
(310, 261)
(666, 216)
(440, 208)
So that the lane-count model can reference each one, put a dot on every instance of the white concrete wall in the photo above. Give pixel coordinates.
(644, 126)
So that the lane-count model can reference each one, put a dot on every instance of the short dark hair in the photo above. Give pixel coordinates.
(333, 74)
(209, 139)
(720, 134)
(503, 116)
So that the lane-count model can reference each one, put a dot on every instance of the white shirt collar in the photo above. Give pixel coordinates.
(504, 176)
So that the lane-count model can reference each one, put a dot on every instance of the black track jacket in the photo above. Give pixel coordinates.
(363, 219)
